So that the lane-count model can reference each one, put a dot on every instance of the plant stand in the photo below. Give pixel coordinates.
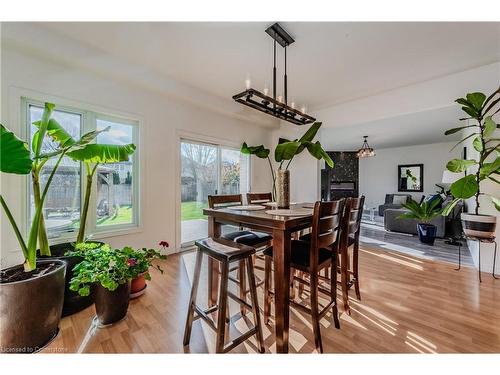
(479, 240)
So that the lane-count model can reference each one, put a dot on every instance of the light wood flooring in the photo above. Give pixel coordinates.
(409, 305)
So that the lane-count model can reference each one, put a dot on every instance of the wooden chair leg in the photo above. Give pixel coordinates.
(333, 291)
(243, 285)
(301, 285)
(192, 299)
(255, 304)
(267, 289)
(344, 279)
(292, 284)
(222, 310)
(315, 312)
(355, 260)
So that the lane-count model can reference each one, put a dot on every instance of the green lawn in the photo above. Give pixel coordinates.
(124, 216)
(192, 210)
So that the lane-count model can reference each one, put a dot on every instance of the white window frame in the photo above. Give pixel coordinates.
(89, 123)
(186, 136)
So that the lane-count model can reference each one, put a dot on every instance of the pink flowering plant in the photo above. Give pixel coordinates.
(111, 267)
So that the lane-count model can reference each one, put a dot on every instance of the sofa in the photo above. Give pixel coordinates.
(409, 226)
(391, 204)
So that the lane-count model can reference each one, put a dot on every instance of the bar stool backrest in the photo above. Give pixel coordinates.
(326, 225)
(351, 222)
(221, 201)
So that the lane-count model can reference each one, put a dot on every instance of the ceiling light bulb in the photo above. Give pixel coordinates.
(293, 105)
(266, 91)
(248, 83)
(280, 98)
(303, 110)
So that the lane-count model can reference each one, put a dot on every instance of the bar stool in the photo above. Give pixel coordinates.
(225, 252)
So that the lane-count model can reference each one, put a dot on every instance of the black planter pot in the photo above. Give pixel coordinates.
(426, 233)
(73, 302)
(111, 306)
(30, 310)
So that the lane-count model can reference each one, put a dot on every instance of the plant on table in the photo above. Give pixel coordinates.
(480, 111)
(286, 150)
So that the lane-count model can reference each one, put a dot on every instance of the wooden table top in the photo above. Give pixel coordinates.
(259, 218)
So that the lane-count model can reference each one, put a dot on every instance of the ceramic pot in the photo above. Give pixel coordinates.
(73, 302)
(30, 310)
(479, 226)
(138, 286)
(283, 188)
(111, 306)
(426, 233)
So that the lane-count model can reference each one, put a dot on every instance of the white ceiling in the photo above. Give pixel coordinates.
(412, 129)
(329, 63)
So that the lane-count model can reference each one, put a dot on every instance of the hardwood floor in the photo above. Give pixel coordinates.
(409, 305)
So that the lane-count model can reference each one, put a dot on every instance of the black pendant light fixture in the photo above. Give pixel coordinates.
(365, 151)
(278, 108)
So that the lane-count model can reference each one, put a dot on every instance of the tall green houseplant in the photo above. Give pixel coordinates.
(480, 111)
(15, 158)
(92, 155)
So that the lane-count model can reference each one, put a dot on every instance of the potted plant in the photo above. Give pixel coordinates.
(108, 273)
(141, 261)
(65, 144)
(33, 291)
(424, 213)
(480, 110)
(285, 151)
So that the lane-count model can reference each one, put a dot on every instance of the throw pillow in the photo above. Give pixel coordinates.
(399, 199)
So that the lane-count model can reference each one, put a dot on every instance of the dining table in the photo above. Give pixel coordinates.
(281, 227)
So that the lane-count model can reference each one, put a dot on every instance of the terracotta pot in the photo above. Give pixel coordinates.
(479, 226)
(30, 310)
(111, 306)
(137, 286)
(283, 188)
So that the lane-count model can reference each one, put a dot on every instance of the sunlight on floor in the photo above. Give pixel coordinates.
(395, 259)
(419, 343)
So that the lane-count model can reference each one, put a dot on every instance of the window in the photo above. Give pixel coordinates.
(114, 200)
(207, 169)
(114, 203)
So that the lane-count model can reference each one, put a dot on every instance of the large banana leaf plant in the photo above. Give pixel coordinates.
(286, 150)
(16, 158)
(92, 155)
(50, 128)
(480, 109)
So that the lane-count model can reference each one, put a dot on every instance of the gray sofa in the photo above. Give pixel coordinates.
(393, 224)
(389, 199)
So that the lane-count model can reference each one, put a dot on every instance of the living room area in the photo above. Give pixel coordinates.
(401, 160)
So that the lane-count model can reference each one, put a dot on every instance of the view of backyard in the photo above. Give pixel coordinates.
(192, 210)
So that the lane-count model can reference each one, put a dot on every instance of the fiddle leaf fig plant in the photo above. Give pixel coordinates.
(286, 150)
(480, 110)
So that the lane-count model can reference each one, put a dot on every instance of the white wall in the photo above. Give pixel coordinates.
(161, 117)
(378, 175)
(304, 169)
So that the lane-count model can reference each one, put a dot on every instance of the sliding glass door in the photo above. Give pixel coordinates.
(207, 169)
